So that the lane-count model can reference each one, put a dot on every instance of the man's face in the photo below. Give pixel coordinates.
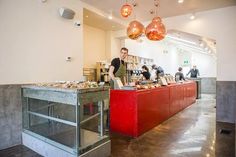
(123, 54)
(194, 67)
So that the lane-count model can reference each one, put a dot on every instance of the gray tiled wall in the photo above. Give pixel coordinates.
(225, 101)
(208, 85)
(10, 115)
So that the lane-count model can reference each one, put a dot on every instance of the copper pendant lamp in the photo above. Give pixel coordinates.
(135, 30)
(155, 30)
(126, 10)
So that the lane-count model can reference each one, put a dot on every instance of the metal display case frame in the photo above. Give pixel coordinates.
(75, 98)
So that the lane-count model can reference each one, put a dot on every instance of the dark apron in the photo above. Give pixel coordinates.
(121, 73)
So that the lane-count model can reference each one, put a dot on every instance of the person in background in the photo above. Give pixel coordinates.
(159, 71)
(145, 73)
(118, 67)
(153, 76)
(179, 76)
(194, 72)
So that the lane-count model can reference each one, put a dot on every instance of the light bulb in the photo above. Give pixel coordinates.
(201, 44)
(192, 17)
(110, 17)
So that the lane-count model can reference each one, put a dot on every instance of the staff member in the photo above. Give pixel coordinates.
(159, 71)
(145, 72)
(118, 67)
(194, 72)
(179, 76)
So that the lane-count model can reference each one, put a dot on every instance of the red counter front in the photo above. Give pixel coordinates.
(133, 112)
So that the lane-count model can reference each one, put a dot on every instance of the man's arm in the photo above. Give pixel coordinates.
(183, 76)
(111, 70)
(188, 72)
(198, 73)
(125, 82)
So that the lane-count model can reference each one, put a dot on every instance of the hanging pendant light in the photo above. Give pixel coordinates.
(126, 10)
(155, 30)
(135, 30)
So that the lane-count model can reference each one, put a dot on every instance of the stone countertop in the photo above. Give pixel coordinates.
(70, 90)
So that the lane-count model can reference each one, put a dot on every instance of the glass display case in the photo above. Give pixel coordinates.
(71, 120)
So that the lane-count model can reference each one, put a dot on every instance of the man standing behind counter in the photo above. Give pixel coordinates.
(194, 72)
(118, 67)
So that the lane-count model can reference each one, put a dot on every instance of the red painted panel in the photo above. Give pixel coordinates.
(181, 101)
(123, 112)
(146, 111)
(162, 104)
(134, 112)
(153, 108)
(174, 99)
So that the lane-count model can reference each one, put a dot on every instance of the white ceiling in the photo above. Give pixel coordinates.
(187, 41)
(92, 19)
(167, 8)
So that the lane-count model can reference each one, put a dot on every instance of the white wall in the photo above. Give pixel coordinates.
(167, 56)
(116, 45)
(35, 41)
(155, 50)
(105, 46)
(94, 45)
(217, 24)
(108, 45)
(113, 46)
(205, 63)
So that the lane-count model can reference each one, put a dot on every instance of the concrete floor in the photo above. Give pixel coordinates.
(190, 133)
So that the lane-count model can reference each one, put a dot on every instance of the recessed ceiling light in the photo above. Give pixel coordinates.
(201, 44)
(86, 16)
(110, 17)
(180, 1)
(192, 17)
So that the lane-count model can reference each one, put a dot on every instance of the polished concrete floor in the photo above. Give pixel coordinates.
(190, 133)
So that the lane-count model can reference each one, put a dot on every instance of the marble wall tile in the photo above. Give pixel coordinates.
(208, 85)
(225, 101)
(10, 115)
